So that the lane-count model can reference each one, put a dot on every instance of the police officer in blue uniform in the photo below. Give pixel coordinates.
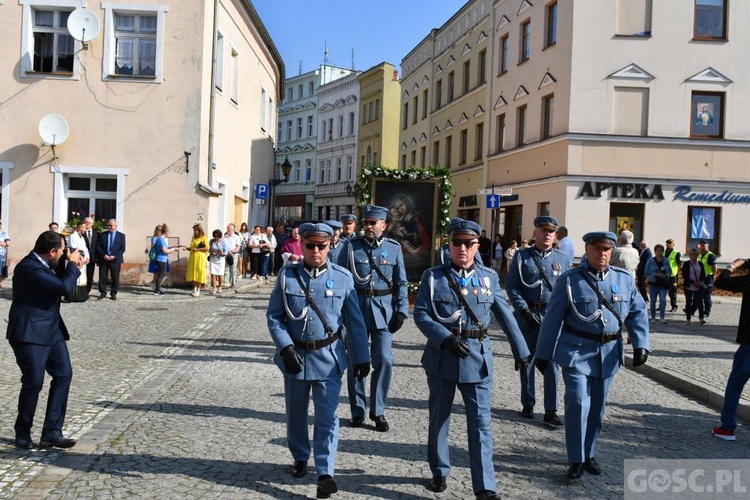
(309, 306)
(349, 229)
(444, 253)
(377, 265)
(453, 310)
(531, 277)
(333, 251)
(582, 332)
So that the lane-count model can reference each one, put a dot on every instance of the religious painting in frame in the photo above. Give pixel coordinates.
(412, 219)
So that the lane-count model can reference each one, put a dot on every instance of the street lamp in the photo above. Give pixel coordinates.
(286, 167)
(354, 190)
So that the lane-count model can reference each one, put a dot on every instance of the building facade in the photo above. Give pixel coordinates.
(444, 99)
(378, 139)
(338, 118)
(622, 114)
(298, 138)
(155, 132)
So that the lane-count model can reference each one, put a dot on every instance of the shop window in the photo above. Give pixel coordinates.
(710, 20)
(630, 114)
(634, 17)
(704, 223)
(707, 115)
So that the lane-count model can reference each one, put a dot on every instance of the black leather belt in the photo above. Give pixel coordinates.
(469, 334)
(607, 337)
(314, 345)
(373, 293)
(537, 306)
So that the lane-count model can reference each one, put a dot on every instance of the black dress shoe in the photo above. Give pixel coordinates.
(326, 486)
(550, 417)
(24, 442)
(113, 297)
(381, 424)
(592, 467)
(101, 296)
(575, 471)
(437, 483)
(356, 421)
(57, 442)
(486, 494)
(299, 469)
(527, 412)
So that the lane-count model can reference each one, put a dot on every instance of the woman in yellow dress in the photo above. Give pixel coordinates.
(196, 269)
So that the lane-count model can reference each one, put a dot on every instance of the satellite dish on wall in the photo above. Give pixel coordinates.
(83, 25)
(54, 131)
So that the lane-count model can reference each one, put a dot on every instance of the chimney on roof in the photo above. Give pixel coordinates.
(395, 74)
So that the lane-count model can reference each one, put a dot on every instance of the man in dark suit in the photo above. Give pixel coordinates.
(91, 236)
(109, 251)
(37, 334)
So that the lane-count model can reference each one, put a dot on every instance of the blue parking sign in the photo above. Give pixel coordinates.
(261, 191)
(493, 201)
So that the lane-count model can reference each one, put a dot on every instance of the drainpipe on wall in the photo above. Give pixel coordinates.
(212, 112)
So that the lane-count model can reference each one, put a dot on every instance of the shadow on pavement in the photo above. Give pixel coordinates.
(199, 410)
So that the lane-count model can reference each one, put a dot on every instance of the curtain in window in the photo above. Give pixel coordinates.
(124, 23)
(702, 223)
(147, 57)
(124, 56)
(148, 24)
(44, 18)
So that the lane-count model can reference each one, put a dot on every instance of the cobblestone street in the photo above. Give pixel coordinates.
(176, 397)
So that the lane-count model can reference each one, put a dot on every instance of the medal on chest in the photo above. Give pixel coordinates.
(384, 257)
(329, 287)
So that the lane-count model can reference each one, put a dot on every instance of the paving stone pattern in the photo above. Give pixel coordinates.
(175, 397)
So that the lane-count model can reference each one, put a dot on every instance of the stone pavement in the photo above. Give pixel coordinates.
(177, 397)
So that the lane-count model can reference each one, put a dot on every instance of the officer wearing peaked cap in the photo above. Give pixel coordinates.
(453, 310)
(377, 265)
(333, 252)
(582, 332)
(531, 277)
(444, 252)
(309, 306)
(349, 223)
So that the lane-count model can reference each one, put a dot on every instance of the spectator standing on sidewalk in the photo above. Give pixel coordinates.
(217, 261)
(694, 284)
(196, 270)
(497, 254)
(740, 373)
(675, 261)
(234, 243)
(640, 272)
(625, 256)
(281, 236)
(244, 254)
(268, 253)
(309, 306)
(582, 332)
(564, 244)
(708, 259)
(658, 272)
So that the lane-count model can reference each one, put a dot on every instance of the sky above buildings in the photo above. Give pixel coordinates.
(377, 30)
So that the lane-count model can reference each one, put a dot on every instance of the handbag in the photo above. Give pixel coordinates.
(230, 259)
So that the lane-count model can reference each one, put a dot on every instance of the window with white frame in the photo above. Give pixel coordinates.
(308, 170)
(219, 74)
(53, 45)
(94, 196)
(133, 41)
(351, 123)
(234, 71)
(309, 126)
(299, 128)
(47, 49)
(338, 169)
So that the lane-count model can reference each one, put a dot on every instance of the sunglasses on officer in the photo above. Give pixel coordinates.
(457, 242)
(319, 246)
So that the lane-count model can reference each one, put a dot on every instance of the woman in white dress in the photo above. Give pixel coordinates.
(217, 261)
(77, 242)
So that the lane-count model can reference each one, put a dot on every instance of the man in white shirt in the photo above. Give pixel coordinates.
(625, 256)
(233, 242)
(563, 242)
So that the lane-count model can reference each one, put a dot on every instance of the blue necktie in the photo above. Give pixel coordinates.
(109, 244)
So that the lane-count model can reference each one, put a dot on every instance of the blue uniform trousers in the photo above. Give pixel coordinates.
(477, 401)
(381, 342)
(585, 397)
(551, 375)
(34, 360)
(325, 395)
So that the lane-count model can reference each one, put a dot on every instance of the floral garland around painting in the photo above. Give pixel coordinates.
(410, 174)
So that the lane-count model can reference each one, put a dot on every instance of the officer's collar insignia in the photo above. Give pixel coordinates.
(542, 253)
(374, 243)
(462, 273)
(598, 275)
(314, 272)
